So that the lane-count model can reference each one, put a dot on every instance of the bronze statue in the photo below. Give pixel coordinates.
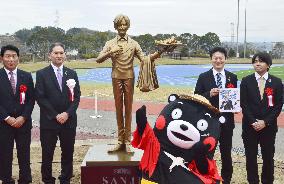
(121, 50)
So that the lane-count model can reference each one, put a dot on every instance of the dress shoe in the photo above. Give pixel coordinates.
(128, 148)
(117, 147)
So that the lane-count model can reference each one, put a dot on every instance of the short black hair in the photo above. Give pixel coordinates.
(218, 49)
(56, 44)
(9, 47)
(263, 57)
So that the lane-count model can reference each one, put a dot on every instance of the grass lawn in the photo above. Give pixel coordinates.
(277, 71)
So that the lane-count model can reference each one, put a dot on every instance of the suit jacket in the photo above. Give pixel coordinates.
(10, 102)
(254, 108)
(206, 82)
(52, 101)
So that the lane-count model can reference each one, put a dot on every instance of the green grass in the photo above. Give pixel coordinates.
(277, 71)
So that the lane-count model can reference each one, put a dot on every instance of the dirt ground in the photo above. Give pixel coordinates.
(239, 175)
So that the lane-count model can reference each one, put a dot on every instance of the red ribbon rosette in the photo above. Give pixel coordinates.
(23, 90)
(230, 85)
(270, 98)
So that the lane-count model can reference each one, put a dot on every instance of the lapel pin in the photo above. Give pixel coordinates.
(65, 73)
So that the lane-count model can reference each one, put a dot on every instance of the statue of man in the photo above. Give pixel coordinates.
(121, 50)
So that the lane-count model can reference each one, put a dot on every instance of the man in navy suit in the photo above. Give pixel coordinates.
(58, 95)
(208, 85)
(261, 102)
(16, 106)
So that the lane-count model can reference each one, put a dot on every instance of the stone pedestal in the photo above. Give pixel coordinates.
(101, 167)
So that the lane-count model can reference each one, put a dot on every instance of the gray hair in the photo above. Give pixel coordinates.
(56, 44)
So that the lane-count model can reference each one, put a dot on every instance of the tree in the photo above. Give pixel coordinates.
(278, 49)
(40, 40)
(193, 43)
(231, 53)
(23, 34)
(209, 41)
(185, 38)
(146, 42)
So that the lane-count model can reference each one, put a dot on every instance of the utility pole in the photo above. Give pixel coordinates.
(238, 29)
(232, 34)
(245, 41)
(57, 17)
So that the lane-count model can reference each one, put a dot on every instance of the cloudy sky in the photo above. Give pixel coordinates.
(265, 18)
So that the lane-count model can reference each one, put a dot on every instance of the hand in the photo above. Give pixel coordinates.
(62, 118)
(258, 125)
(214, 92)
(11, 121)
(19, 122)
(141, 119)
(201, 150)
(115, 50)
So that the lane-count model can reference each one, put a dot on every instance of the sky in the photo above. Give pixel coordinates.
(265, 18)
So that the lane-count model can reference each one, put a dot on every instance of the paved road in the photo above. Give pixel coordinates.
(106, 125)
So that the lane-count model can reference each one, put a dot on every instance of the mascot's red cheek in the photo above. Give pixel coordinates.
(161, 122)
(211, 141)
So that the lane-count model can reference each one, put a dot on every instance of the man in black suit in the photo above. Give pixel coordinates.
(261, 102)
(16, 106)
(208, 85)
(58, 101)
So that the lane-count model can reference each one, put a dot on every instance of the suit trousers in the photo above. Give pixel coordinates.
(266, 139)
(123, 90)
(22, 137)
(225, 145)
(48, 138)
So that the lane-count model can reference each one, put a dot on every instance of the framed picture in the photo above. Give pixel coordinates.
(229, 100)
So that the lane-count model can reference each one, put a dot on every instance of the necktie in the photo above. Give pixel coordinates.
(13, 82)
(261, 83)
(59, 78)
(219, 80)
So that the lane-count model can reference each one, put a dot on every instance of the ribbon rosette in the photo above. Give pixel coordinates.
(71, 85)
(269, 94)
(23, 89)
(230, 85)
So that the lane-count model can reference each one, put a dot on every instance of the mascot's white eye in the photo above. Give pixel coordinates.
(202, 125)
(176, 114)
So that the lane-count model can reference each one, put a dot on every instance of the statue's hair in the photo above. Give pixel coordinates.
(119, 18)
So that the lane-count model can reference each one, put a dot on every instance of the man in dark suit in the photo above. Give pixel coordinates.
(16, 106)
(58, 101)
(261, 102)
(208, 85)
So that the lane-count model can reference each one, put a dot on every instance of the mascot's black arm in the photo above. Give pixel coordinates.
(141, 119)
(200, 157)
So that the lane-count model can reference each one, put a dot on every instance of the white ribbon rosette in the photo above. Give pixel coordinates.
(71, 85)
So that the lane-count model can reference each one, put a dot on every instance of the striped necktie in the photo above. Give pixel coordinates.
(13, 82)
(219, 80)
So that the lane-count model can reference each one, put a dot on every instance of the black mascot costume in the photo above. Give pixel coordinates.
(180, 148)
